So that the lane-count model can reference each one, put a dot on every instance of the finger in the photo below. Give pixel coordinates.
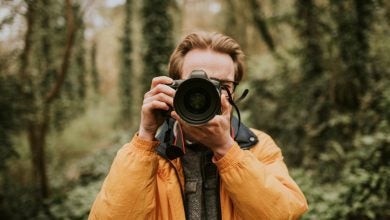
(155, 105)
(175, 116)
(191, 130)
(225, 105)
(160, 88)
(161, 97)
(161, 80)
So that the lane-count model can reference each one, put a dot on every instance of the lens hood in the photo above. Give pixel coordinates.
(197, 99)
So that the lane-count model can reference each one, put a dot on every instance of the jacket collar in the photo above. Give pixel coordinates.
(245, 137)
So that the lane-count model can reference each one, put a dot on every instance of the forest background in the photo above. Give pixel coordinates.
(72, 74)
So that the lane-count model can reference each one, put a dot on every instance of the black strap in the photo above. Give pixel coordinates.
(231, 101)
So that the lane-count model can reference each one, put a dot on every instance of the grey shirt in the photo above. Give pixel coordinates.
(201, 184)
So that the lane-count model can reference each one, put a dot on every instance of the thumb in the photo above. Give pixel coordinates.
(225, 105)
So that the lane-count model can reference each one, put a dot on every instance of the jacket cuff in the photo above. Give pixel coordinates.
(230, 159)
(145, 145)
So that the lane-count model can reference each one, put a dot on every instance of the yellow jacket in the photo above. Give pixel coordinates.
(255, 184)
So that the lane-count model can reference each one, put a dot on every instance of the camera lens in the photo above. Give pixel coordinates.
(198, 101)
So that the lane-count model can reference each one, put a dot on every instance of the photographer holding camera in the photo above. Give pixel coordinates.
(201, 162)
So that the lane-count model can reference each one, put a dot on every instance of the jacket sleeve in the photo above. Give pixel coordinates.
(258, 183)
(129, 190)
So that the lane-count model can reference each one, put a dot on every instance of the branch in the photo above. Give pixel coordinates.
(30, 19)
(70, 36)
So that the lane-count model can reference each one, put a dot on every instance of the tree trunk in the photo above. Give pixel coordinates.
(38, 125)
(37, 140)
(310, 35)
(94, 69)
(70, 35)
(30, 19)
(126, 76)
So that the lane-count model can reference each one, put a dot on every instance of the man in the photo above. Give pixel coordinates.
(222, 175)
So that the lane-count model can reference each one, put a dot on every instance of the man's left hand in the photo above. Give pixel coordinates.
(215, 134)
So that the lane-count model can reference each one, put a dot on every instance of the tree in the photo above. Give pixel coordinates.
(126, 73)
(261, 24)
(158, 40)
(327, 112)
(43, 75)
(94, 71)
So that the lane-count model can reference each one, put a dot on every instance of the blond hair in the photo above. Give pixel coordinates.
(205, 40)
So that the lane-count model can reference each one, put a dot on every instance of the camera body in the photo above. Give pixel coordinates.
(198, 98)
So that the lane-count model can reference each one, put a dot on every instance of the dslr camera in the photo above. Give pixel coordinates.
(198, 98)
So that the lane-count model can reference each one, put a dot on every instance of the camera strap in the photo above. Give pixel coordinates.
(172, 151)
(231, 101)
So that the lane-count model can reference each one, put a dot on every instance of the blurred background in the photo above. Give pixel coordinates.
(73, 74)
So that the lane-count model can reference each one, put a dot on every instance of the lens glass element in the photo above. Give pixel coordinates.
(197, 101)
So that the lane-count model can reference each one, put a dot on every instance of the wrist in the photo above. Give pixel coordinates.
(221, 151)
(230, 159)
(145, 135)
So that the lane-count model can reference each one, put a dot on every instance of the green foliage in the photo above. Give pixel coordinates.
(10, 117)
(45, 57)
(79, 158)
(17, 197)
(71, 100)
(74, 193)
(323, 94)
(33, 100)
(126, 74)
(362, 189)
(158, 39)
(74, 200)
(327, 104)
(69, 199)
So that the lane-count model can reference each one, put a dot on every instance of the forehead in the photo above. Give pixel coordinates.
(215, 64)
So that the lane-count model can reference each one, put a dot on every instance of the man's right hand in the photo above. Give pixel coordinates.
(159, 98)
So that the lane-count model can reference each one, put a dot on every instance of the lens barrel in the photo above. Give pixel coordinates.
(197, 99)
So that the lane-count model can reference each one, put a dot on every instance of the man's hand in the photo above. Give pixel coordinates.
(159, 98)
(215, 134)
